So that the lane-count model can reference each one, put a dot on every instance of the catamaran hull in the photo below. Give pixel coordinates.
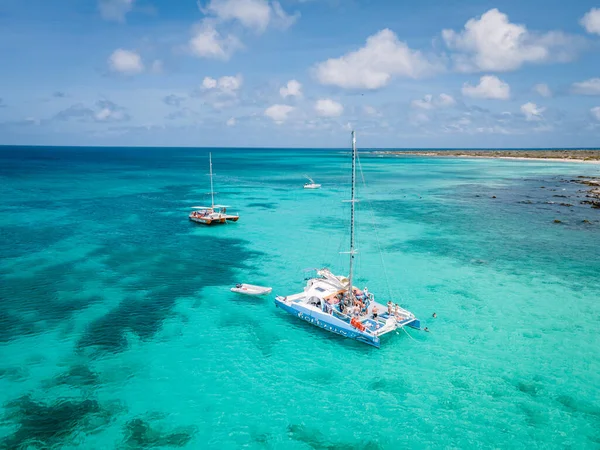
(416, 324)
(209, 221)
(328, 323)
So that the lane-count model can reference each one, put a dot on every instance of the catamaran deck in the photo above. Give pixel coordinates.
(372, 324)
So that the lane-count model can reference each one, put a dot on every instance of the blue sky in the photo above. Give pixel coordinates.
(300, 73)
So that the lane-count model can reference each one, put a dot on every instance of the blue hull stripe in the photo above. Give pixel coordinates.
(328, 322)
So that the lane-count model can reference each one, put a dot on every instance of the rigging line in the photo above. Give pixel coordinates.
(375, 230)
(408, 334)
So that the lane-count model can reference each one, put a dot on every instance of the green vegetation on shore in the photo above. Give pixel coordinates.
(575, 155)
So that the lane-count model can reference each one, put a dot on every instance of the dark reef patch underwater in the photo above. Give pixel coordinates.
(41, 425)
(140, 434)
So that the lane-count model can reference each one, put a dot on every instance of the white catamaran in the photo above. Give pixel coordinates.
(331, 302)
(213, 214)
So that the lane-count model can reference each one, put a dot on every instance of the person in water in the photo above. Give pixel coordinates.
(434, 315)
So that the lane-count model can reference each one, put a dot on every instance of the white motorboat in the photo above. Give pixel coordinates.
(251, 289)
(312, 184)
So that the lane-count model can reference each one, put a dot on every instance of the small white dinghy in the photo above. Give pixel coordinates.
(251, 289)
(312, 184)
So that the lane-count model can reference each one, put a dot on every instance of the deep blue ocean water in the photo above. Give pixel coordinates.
(118, 329)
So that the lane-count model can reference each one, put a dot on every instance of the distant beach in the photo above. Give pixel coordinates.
(585, 156)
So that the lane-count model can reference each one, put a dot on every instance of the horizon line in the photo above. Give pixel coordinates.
(3, 146)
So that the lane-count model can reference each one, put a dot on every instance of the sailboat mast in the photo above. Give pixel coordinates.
(352, 201)
(212, 193)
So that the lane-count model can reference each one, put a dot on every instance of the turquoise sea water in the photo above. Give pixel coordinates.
(118, 329)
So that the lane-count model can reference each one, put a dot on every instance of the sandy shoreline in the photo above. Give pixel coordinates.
(572, 156)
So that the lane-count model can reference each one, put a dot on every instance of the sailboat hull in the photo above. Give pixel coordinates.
(327, 322)
(214, 221)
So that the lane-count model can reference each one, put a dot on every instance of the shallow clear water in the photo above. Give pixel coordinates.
(118, 329)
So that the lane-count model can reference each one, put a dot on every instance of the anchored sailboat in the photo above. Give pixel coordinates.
(331, 302)
(213, 214)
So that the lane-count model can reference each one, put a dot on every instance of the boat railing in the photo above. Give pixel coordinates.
(339, 314)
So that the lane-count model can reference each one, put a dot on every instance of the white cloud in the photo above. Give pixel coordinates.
(596, 113)
(543, 90)
(425, 103)
(489, 87)
(226, 85)
(207, 42)
(174, 100)
(279, 113)
(109, 115)
(531, 111)
(587, 87)
(369, 110)
(115, 9)
(32, 120)
(429, 102)
(492, 43)
(229, 83)
(496, 129)
(209, 83)
(292, 89)
(126, 62)
(231, 122)
(446, 100)
(374, 65)
(256, 15)
(211, 38)
(328, 108)
(591, 21)
(102, 111)
(281, 19)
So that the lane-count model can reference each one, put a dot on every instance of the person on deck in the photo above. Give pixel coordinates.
(361, 307)
(374, 311)
(389, 306)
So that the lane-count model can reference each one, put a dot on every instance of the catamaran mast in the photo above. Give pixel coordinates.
(212, 193)
(352, 201)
